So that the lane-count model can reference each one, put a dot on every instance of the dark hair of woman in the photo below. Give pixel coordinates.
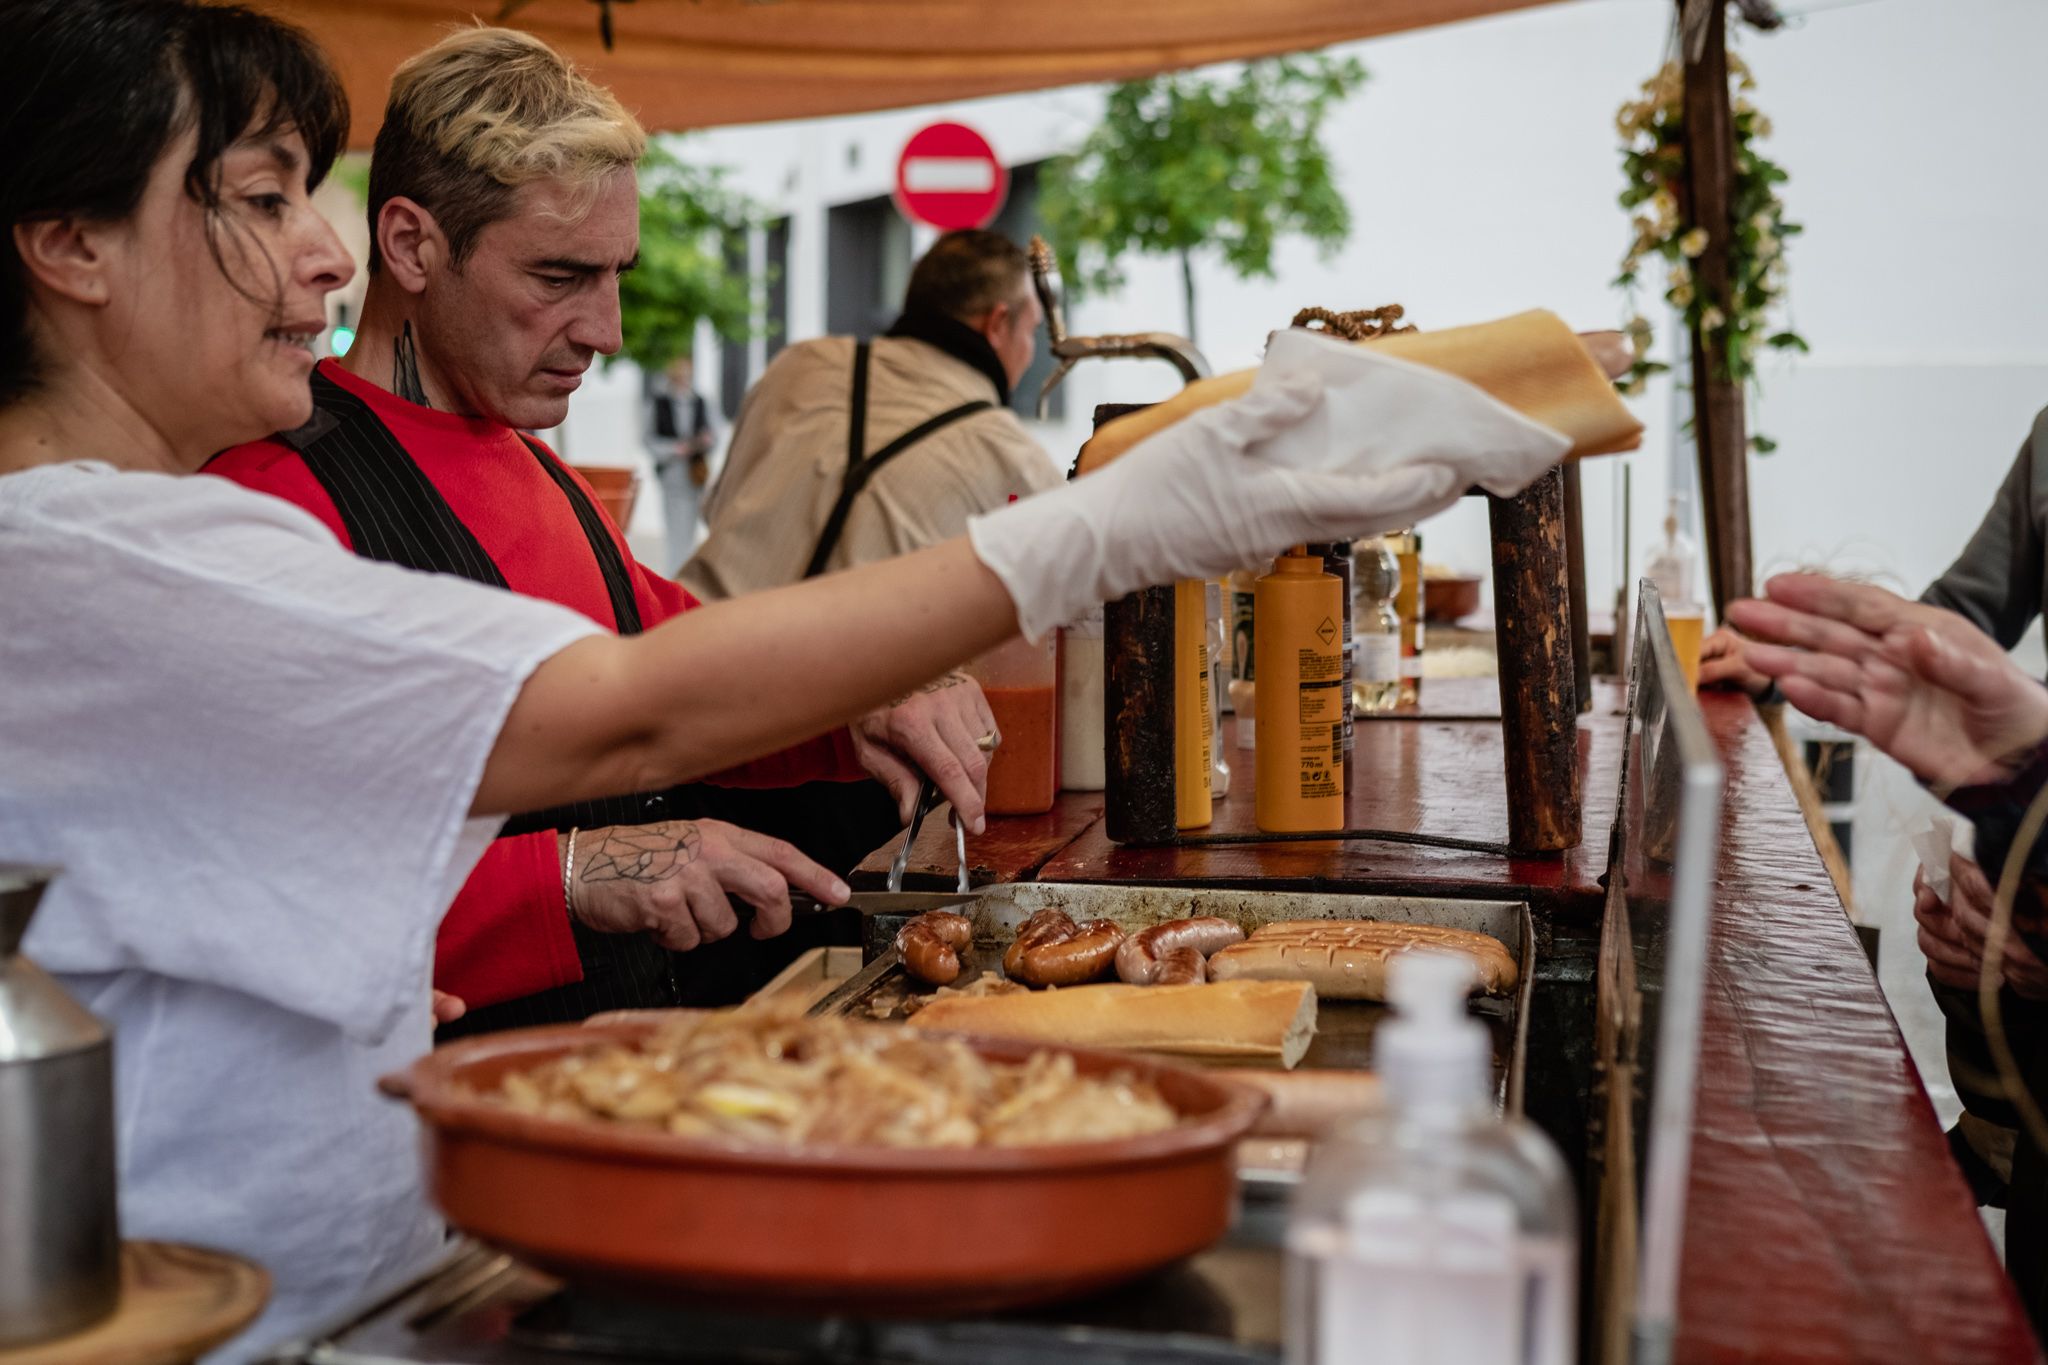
(93, 91)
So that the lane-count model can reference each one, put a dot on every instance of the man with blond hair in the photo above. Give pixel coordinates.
(504, 206)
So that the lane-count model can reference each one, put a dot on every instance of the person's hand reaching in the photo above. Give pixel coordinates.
(1920, 683)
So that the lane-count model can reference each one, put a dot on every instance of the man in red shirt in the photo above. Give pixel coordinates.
(504, 206)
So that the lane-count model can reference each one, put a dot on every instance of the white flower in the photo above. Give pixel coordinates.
(1694, 243)
(1762, 126)
(1680, 292)
(1681, 273)
(1664, 208)
(1712, 319)
(1742, 106)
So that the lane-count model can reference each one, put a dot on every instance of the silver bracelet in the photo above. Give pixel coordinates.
(568, 869)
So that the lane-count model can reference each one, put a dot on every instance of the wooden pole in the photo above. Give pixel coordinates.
(1575, 566)
(1539, 699)
(1718, 419)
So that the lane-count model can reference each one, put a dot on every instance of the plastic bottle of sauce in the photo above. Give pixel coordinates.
(1193, 806)
(1020, 680)
(1336, 557)
(1301, 702)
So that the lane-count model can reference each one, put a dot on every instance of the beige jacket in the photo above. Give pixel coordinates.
(788, 457)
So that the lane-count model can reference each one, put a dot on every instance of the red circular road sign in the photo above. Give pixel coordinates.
(948, 176)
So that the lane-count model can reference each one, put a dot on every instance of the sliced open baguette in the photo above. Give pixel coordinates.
(1347, 959)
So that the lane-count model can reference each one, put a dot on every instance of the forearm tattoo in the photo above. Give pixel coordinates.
(405, 369)
(950, 680)
(643, 853)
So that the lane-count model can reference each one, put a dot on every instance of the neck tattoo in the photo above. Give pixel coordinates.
(405, 370)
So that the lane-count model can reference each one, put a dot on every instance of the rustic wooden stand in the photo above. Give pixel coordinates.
(1539, 610)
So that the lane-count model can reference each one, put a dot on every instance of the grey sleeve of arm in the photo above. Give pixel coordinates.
(1996, 582)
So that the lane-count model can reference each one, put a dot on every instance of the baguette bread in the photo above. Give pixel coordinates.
(1266, 1023)
(1532, 362)
(1347, 959)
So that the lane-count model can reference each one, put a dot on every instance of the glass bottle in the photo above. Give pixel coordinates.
(1436, 1233)
(1407, 548)
(1376, 624)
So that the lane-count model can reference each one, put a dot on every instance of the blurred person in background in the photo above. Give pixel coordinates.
(850, 451)
(679, 437)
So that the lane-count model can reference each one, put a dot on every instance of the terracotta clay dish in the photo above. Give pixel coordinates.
(937, 1231)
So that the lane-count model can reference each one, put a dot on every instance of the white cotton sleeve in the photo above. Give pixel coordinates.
(254, 752)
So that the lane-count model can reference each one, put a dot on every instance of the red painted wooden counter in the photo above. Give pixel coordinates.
(1825, 1220)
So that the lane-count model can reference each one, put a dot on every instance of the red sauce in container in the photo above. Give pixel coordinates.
(1024, 775)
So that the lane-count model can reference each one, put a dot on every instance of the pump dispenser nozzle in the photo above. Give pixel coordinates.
(1433, 1053)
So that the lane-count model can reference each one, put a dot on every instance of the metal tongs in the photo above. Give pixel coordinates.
(927, 797)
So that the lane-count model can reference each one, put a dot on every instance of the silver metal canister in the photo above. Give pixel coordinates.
(60, 1241)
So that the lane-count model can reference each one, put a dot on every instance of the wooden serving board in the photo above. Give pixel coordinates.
(177, 1303)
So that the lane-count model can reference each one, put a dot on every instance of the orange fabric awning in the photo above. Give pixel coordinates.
(683, 64)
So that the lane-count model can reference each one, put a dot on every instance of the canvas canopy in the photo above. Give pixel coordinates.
(683, 64)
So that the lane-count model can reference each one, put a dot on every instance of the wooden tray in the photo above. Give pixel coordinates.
(806, 981)
(177, 1303)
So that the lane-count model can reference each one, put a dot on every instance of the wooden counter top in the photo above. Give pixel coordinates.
(1825, 1221)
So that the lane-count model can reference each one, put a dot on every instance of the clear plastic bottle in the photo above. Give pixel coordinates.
(1436, 1233)
(1376, 623)
(1219, 645)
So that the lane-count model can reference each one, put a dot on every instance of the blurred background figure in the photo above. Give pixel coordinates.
(679, 437)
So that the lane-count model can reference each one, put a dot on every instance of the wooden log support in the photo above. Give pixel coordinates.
(1137, 718)
(1719, 422)
(1137, 707)
(1575, 565)
(1539, 704)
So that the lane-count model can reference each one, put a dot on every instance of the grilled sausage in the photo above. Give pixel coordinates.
(1047, 926)
(932, 945)
(1142, 954)
(1181, 967)
(1082, 956)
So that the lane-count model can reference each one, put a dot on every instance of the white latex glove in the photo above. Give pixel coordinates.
(1217, 491)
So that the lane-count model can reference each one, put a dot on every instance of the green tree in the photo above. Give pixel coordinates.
(686, 215)
(1187, 162)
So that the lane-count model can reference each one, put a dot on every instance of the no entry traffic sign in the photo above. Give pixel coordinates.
(948, 176)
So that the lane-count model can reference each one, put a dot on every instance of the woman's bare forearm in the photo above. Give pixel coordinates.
(734, 680)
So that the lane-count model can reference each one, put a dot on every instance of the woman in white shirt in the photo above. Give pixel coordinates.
(265, 764)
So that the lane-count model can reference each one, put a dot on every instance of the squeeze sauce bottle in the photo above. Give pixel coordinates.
(1300, 703)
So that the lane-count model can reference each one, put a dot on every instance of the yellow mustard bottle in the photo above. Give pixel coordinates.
(1193, 724)
(1300, 702)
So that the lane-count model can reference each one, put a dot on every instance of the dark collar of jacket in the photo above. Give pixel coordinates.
(957, 340)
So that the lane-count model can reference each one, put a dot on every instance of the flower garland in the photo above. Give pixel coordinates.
(1653, 164)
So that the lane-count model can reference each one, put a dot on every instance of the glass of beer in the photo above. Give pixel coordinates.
(1686, 619)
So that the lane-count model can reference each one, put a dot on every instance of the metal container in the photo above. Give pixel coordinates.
(60, 1241)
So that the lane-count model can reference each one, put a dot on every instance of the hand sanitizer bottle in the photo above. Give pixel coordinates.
(1435, 1233)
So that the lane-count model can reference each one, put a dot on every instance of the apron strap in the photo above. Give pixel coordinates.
(393, 513)
(860, 468)
(618, 581)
